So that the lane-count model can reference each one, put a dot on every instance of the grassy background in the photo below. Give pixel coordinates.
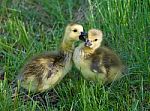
(28, 27)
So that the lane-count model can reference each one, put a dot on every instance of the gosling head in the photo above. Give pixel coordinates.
(73, 32)
(94, 39)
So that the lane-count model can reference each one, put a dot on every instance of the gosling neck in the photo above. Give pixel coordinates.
(67, 46)
(91, 50)
(88, 50)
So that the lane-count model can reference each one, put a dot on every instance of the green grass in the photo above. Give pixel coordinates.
(28, 27)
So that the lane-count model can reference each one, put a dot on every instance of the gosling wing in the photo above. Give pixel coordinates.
(103, 59)
(40, 68)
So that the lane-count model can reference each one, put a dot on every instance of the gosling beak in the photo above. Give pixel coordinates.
(82, 36)
(88, 43)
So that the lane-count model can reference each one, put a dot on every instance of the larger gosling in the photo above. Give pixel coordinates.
(97, 63)
(44, 71)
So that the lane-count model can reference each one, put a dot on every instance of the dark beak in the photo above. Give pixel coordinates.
(88, 43)
(83, 36)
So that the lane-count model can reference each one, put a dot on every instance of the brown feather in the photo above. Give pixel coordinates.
(104, 57)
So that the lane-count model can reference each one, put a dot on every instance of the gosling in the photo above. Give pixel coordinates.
(46, 70)
(97, 63)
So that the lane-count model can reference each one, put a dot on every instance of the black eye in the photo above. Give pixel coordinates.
(75, 30)
(95, 39)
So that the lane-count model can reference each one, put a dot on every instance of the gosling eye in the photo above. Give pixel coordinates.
(75, 30)
(95, 39)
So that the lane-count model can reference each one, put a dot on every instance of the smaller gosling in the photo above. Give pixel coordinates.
(97, 63)
(45, 71)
